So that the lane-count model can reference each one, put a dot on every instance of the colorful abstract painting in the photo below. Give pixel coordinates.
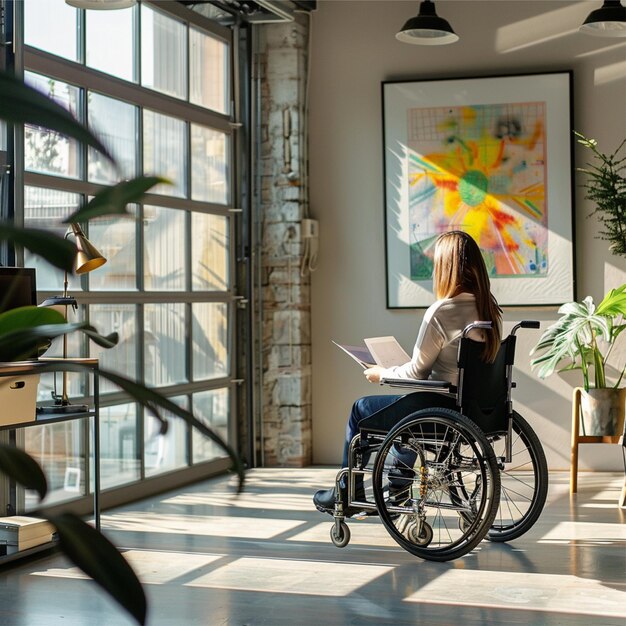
(481, 169)
(491, 156)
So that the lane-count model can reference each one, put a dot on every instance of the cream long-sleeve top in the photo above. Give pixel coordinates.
(436, 347)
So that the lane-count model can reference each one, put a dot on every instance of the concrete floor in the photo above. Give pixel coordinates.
(208, 558)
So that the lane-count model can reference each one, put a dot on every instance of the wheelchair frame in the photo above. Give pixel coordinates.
(469, 486)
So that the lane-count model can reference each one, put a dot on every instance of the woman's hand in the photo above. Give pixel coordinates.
(373, 373)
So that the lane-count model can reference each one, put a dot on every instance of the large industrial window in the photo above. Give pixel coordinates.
(160, 98)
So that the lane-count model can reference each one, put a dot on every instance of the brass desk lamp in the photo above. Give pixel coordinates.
(88, 258)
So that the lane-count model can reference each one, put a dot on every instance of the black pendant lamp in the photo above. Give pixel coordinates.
(427, 28)
(607, 21)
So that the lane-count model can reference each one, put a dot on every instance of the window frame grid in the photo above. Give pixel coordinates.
(88, 79)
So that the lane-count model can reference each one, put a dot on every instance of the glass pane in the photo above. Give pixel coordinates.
(115, 123)
(46, 150)
(3, 136)
(209, 170)
(52, 26)
(113, 57)
(163, 53)
(209, 252)
(209, 332)
(164, 152)
(167, 452)
(212, 408)
(122, 319)
(119, 445)
(164, 249)
(59, 450)
(116, 239)
(164, 344)
(208, 71)
(46, 208)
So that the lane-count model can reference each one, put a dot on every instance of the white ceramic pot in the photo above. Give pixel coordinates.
(602, 411)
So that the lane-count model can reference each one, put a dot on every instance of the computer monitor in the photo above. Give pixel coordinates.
(17, 287)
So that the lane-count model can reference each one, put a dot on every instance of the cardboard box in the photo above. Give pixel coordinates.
(19, 532)
(18, 399)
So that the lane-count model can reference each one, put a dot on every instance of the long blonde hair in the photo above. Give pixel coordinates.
(459, 267)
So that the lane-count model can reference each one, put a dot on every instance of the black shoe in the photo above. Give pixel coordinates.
(325, 499)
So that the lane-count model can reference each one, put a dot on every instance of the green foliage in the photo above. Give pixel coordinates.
(100, 559)
(582, 338)
(24, 469)
(24, 331)
(606, 187)
(22, 105)
(56, 250)
(113, 200)
(27, 331)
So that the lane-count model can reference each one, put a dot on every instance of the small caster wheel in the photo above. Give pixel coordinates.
(423, 538)
(340, 536)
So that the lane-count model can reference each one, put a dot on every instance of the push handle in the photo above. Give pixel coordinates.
(525, 324)
(529, 324)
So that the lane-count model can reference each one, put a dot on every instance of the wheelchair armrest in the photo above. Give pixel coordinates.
(425, 385)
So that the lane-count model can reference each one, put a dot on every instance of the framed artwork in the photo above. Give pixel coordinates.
(490, 156)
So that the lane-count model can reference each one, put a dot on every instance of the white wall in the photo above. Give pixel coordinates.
(353, 50)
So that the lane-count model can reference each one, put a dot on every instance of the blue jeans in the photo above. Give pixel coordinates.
(391, 409)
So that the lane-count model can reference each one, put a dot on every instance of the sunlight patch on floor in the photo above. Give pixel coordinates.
(291, 576)
(152, 567)
(273, 501)
(202, 525)
(517, 590)
(574, 531)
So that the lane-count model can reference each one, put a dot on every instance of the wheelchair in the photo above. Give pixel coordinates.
(446, 477)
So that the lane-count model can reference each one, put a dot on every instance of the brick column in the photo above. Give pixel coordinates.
(286, 302)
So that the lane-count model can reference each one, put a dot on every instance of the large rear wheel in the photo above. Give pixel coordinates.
(436, 484)
(524, 482)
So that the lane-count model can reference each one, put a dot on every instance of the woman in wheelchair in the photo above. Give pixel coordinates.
(462, 289)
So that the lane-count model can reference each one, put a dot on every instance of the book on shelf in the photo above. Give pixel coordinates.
(20, 532)
(383, 351)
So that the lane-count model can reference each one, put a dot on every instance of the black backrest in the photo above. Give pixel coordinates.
(484, 387)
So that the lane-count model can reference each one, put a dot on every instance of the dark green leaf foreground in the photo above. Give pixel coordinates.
(18, 465)
(95, 555)
(114, 200)
(21, 104)
(56, 250)
(25, 334)
(86, 547)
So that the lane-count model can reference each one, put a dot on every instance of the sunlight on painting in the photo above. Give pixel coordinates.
(481, 169)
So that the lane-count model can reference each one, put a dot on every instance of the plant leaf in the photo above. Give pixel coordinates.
(21, 104)
(24, 343)
(108, 341)
(93, 553)
(28, 317)
(154, 402)
(18, 465)
(54, 249)
(113, 200)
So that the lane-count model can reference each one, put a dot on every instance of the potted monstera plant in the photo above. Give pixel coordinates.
(582, 339)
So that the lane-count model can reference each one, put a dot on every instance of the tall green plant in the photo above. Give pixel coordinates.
(606, 187)
(583, 338)
(23, 331)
